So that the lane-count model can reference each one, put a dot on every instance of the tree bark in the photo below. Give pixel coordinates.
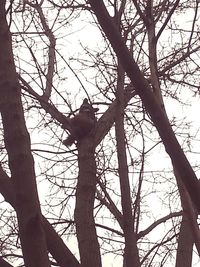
(17, 143)
(189, 224)
(185, 244)
(85, 195)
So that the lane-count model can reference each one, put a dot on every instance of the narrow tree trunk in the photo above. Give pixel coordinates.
(131, 255)
(189, 224)
(17, 143)
(85, 196)
(185, 244)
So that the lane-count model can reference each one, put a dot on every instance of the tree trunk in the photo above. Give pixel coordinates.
(17, 143)
(185, 244)
(85, 195)
(131, 255)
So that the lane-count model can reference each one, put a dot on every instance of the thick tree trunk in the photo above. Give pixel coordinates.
(17, 143)
(85, 195)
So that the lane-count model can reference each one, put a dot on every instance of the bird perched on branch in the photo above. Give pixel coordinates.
(81, 124)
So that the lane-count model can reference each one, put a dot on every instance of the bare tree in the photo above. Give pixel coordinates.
(115, 196)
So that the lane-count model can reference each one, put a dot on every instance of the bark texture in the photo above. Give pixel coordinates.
(85, 195)
(185, 244)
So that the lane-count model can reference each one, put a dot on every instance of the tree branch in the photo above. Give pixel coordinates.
(144, 90)
(55, 244)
